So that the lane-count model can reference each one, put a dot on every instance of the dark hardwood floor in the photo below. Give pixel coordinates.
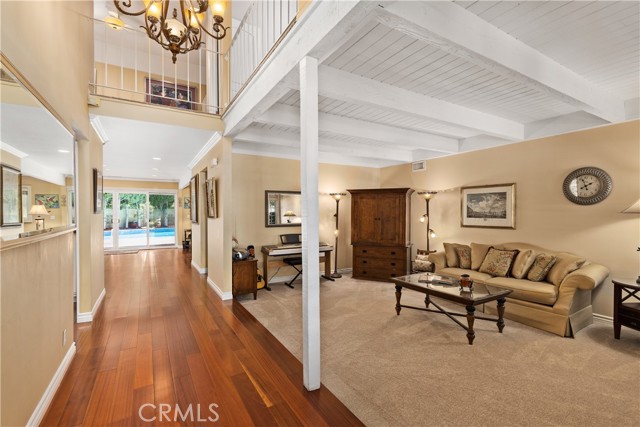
(165, 350)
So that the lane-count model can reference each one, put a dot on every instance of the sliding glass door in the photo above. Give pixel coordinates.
(162, 219)
(139, 219)
(132, 220)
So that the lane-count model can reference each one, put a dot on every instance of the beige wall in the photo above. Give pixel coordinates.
(10, 160)
(253, 175)
(90, 226)
(36, 309)
(61, 214)
(543, 215)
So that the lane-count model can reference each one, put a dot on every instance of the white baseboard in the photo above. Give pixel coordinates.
(45, 400)
(198, 268)
(223, 295)
(88, 317)
(602, 317)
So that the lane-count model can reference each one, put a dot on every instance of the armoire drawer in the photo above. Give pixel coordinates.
(395, 252)
(380, 263)
(376, 273)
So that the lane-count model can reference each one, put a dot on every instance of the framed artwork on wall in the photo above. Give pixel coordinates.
(26, 203)
(187, 203)
(97, 191)
(489, 206)
(11, 191)
(50, 201)
(193, 191)
(170, 94)
(212, 201)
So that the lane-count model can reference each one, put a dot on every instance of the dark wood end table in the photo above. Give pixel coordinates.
(626, 311)
(446, 288)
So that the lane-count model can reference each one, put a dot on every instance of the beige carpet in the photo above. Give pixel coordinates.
(417, 369)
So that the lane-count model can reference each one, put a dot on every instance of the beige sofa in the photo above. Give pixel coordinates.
(560, 304)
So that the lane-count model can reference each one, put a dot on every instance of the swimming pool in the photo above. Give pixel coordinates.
(138, 237)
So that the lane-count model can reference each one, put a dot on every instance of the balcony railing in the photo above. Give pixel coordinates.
(131, 66)
(264, 24)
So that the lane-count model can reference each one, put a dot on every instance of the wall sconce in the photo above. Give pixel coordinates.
(39, 210)
(336, 197)
(428, 195)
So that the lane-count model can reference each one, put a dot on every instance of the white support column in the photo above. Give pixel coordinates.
(310, 222)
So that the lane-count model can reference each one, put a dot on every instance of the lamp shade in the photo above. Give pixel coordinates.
(337, 196)
(634, 208)
(38, 210)
(289, 213)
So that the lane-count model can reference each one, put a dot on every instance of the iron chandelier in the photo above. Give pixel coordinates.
(173, 34)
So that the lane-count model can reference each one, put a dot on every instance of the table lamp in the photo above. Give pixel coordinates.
(39, 210)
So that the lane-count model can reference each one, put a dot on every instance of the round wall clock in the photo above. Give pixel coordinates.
(587, 186)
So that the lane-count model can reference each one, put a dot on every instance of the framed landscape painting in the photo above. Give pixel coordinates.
(490, 206)
(212, 208)
(11, 191)
(193, 190)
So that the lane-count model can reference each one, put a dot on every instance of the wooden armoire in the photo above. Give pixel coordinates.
(380, 233)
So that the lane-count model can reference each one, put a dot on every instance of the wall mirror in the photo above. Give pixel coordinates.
(42, 150)
(282, 208)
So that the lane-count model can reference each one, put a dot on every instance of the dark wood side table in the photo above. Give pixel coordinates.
(626, 305)
(245, 277)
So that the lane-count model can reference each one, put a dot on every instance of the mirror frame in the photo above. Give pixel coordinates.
(266, 208)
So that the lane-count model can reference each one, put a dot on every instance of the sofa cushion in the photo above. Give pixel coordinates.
(464, 256)
(457, 272)
(565, 264)
(526, 290)
(498, 262)
(478, 252)
(541, 267)
(522, 263)
(450, 253)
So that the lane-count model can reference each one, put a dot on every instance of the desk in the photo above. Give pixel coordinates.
(279, 251)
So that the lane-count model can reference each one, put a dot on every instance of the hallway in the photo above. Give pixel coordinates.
(165, 350)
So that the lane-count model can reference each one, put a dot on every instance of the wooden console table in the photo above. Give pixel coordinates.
(625, 312)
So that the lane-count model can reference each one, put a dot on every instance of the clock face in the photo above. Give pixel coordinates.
(586, 186)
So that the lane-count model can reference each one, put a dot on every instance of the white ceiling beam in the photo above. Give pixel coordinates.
(344, 86)
(326, 25)
(283, 152)
(462, 33)
(327, 145)
(392, 136)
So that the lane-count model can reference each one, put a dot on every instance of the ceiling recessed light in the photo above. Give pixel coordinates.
(60, 150)
(154, 169)
(154, 175)
(156, 158)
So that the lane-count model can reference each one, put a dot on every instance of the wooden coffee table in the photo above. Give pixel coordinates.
(443, 287)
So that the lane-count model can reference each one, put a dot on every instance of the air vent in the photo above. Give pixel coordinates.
(419, 166)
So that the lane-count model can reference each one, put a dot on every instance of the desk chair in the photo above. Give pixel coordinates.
(295, 262)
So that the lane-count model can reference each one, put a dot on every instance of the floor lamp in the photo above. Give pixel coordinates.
(428, 195)
(336, 197)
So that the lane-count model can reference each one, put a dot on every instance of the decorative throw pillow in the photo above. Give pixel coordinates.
(541, 267)
(451, 255)
(421, 257)
(419, 265)
(497, 262)
(565, 264)
(478, 252)
(523, 263)
(464, 256)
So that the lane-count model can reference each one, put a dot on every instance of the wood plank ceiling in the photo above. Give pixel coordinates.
(425, 79)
